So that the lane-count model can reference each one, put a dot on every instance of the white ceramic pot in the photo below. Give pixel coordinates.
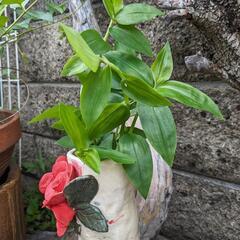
(116, 199)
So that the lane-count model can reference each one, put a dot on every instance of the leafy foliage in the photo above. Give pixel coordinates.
(117, 84)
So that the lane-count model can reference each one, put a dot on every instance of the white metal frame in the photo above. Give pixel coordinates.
(7, 84)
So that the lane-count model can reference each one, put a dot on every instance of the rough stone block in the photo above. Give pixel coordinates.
(206, 145)
(46, 53)
(203, 209)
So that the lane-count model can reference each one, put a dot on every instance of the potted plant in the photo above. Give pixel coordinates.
(121, 128)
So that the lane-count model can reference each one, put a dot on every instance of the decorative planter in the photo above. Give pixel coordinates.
(118, 200)
(10, 133)
(11, 213)
(115, 198)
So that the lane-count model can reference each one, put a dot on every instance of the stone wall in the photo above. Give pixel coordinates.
(206, 201)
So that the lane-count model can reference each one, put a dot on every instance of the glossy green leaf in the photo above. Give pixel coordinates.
(112, 116)
(137, 13)
(163, 65)
(49, 113)
(123, 48)
(40, 15)
(81, 190)
(189, 96)
(58, 125)
(73, 66)
(3, 20)
(131, 65)
(113, 7)
(160, 129)
(74, 127)
(140, 173)
(65, 142)
(91, 217)
(116, 156)
(8, 2)
(92, 159)
(95, 95)
(140, 91)
(132, 38)
(95, 41)
(83, 51)
(56, 7)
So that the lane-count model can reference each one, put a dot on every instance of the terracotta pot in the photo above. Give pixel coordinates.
(10, 133)
(11, 213)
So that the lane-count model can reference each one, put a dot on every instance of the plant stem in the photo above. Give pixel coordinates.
(133, 123)
(18, 19)
(108, 31)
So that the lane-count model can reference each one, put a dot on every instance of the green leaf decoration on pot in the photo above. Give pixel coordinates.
(81, 190)
(79, 193)
(92, 218)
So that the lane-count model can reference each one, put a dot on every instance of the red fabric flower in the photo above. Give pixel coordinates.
(52, 185)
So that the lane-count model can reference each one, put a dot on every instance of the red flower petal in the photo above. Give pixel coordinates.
(59, 167)
(61, 158)
(64, 215)
(45, 181)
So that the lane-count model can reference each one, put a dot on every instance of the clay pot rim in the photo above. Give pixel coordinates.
(11, 120)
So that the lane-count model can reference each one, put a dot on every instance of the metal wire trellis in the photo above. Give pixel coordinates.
(10, 88)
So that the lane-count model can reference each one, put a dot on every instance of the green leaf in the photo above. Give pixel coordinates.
(3, 21)
(189, 96)
(116, 156)
(83, 51)
(65, 142)
(52, 112)
(95, 41)
(92, 159)
(40, 15)
(8, 2)
(132, 38)
(112, 116)
(140, 173)
(56, 8)
(131, 65)
(113, 7)
(58, 125)
(95, 95)
(160, 129)
(92, 218)
(81, 190)
(137, 13)
(140, 91)
(74, 127)
(22, 25)
(163, 65)
(122, 48)
(73, 66)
